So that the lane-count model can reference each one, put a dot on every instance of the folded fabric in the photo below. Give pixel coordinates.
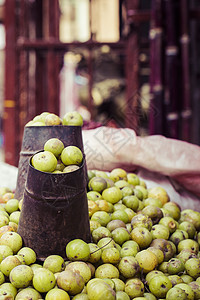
(107, 148)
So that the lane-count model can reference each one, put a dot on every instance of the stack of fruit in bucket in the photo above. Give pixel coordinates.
(143, 246)
(48, 160)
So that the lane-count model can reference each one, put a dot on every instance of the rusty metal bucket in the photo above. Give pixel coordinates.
(34, 138)
(54, 211)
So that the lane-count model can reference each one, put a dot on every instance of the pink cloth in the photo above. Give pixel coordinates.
(107, 148)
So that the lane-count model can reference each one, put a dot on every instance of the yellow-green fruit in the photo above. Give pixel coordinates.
(160, 285)
(14, 217)
(128, 266)
(120, 215)
(196, 289)
(159, 254)
(120, 235)
(72, 118)
(44, 161)
(34, 123)
(176, 293)
(191, 216)
(28, 254)
(94, 225)
(77, 249)
(121, 184)
(5, 251)
(120, 295)
(174, 210)
(106, 242)
(152, 274)
(52, 119)
(43, 280)
(100, 233)
(147, 260)
(21, 276)
(141, 220)
(98, 289)
(188, 244)
(4, 220)
(95, 253)
(71, 282)
(54, 263)
(93, 195)
(143, 190)
(7, 289)
(81, 268)
(192, 267)
(2, 278)
(13, 240)
(119, 284)
(133, 179)
(141, 236)
(175, 266)
(28, 293)
(110, 255)
(81, 296)
(54, 145)
(101, 174)
(134, 287)
(107, 271)
(71, 155)
(102, 217)
(188, 290)
(118, 174)
(112, 194)
(8, 264)
(97, 184)
(57, 294)
(70, 168)
(175, 279)
(12, 205)
(159, 193)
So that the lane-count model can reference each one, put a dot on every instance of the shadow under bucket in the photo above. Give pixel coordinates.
(54, 211)
(34, 138)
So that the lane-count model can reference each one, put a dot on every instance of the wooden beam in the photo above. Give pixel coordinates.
(171, 70)
(156, 109)
(10, 120)
(2, 14)
(132, 74)
(186, 113)
(138, 16)
(55, 44)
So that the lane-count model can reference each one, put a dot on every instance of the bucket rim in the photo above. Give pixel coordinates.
(50, 126)
(83, 163)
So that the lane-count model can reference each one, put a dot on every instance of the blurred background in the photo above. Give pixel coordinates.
(120, 63)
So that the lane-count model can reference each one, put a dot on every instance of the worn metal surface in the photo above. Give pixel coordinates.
(54, 211)
(34, 139)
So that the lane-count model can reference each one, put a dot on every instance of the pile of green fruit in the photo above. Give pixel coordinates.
(50, 119)
(143, 247)
(55, 158)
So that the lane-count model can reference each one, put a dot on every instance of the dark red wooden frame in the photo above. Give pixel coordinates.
(20, 107)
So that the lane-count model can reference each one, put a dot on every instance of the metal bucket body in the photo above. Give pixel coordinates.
(54, 211)
(34, 138)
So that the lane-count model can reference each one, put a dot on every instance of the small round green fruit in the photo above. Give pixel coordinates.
(55, 146)
(73, 118)
(21, 276)
(44, 161)
(54, 263)
(71, 155)
(77, 249)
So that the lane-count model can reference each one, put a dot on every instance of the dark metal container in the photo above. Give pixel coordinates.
(54, 211)
(34, 138)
